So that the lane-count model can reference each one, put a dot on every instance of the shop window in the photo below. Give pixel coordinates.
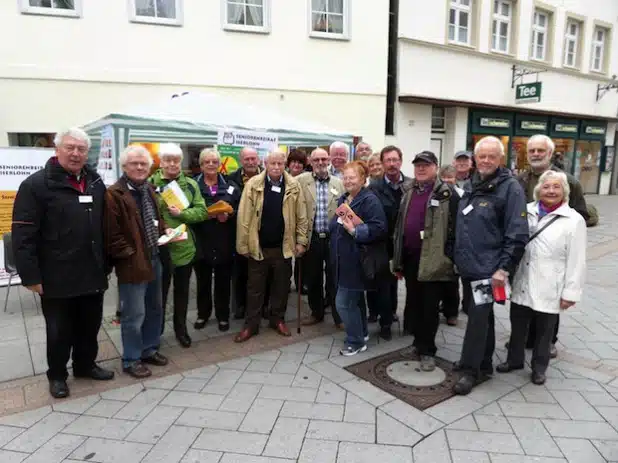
(247, 15)
(70, 8)
(519, 152)
(541, 23)
(438, 118)
(501, 26)
(599, 46)
(572, 38)
(503, 138)
(587, 163)
(329, 18)
(460, 22)
(166, 12)
(32, 140)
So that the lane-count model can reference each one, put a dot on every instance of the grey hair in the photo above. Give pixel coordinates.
(134, 149)
(170, 149)
(550, 175)
(209, 152)
(373, 156)
(551, 146)
(447, 169)
(489, 139)
(74, 132)
(339, 144)
(247, 148)
(274, 153)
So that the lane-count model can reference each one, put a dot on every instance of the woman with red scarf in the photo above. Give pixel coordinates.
(550, 276)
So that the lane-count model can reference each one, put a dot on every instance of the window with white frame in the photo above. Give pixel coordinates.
(438, 118)
(51, 7)
(460, 22)
(598, 49)
(540, 29)
(571, 43)
(329, 18)
(501, 26)
(157, 11)
(247, 15)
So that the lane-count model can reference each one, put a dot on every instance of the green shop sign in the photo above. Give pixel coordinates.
(566, 128)
(532, 125)
(494, 123)
(592, 130)
(528, 93)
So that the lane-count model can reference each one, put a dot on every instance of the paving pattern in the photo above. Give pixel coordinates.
(297, 403)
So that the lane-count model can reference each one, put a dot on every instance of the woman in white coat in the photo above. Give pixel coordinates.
(550, 276)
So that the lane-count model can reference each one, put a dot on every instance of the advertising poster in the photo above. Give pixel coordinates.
(107, 160)
(230, 142)
(153, 149)
(16, 164)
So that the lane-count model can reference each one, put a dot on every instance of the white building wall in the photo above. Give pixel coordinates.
(58, 71)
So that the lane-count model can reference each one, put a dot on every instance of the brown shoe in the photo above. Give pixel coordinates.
(310, 321)
(340, 327)
(282, 329)
(244, 335)
(156, 359)
(451, 321)
(138, 370)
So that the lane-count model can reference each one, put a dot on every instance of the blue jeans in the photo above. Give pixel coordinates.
(141, 309)
(352, 309)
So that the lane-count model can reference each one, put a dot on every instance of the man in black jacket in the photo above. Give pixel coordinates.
(389, 190)
(58, 246)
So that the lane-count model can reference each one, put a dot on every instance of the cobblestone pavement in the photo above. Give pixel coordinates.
(296, 403)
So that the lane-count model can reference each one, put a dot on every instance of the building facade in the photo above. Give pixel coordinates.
(69, 62)
(509, 68)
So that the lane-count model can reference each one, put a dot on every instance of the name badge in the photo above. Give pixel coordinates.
(435, 203)
(156, 222)
(85, 199)
(422, 234)
(467, 210)
(276, 189)
(230, 190)
(333, 191)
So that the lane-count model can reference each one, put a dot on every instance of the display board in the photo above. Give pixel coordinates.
(230, 142)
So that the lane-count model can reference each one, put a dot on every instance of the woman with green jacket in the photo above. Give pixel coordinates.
(181, 253)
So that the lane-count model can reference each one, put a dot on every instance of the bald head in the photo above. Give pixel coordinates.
(320, 160)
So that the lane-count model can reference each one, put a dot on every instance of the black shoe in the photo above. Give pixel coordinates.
(507, 368)
(199, 324)
(156, 359)
(58, 389)
(224, 326)
(487, 371)
(465, 385)
(97, 373)
(538, 378)
(372, 319)
(184, 340)
(385, 333)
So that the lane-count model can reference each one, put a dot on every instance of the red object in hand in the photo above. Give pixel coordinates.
(499, 293)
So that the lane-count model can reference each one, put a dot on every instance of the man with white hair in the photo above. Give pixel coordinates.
(58, 246)
(339, 154)
(133, 226)
(540, 153)
(271, 229)
(490, 237)
(363, 151)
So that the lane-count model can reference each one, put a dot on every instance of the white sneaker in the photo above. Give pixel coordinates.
(349, 351)
(366, 338)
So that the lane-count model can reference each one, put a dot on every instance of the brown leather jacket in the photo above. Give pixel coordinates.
(124, 235)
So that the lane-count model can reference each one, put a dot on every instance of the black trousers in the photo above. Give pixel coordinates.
(383, 301)
(182, 278)
(450, 298)
(222, 286)
(241, 276)
(532, 330)
(521, 318)
(257, 284)
(468, 299)
(421, 314)
(318, 276)
(480, 338)
(72, 324)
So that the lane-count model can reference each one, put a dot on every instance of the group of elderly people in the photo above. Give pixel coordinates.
(69, 232)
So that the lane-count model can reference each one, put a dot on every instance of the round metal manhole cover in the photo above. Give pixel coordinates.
(409, 372)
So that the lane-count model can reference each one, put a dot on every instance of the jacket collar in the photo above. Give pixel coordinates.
(565, 210)
(57, 174)
(290, 183)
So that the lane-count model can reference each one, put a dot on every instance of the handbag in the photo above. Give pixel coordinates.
(374, 260)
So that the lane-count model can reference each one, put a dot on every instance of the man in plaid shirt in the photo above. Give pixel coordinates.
(322, 191)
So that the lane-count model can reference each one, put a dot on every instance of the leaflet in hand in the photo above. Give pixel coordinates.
(173, 195)
(179, 234)
(346, 211)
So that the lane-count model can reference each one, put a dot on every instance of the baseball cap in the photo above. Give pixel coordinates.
(425, 156)
(460, 154)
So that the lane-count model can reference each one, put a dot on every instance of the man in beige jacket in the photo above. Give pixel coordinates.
(272, 228)
(321, 194)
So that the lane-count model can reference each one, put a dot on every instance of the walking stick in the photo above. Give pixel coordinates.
(299, 291)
